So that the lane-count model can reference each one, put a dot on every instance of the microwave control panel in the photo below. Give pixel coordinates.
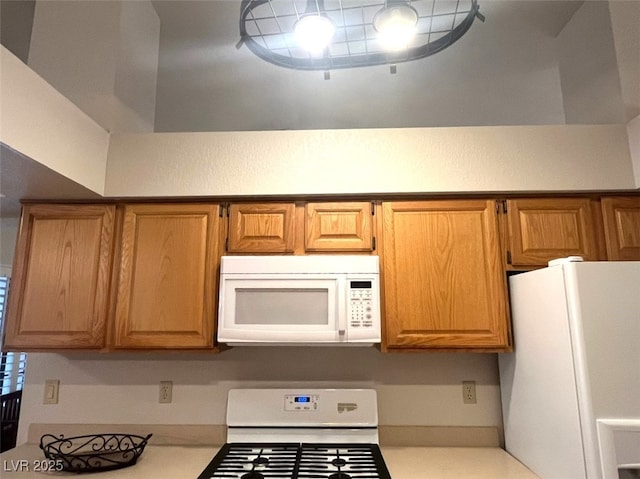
(360, 304)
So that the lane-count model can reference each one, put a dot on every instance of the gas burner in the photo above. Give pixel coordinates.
(252, 475)
(260, 461)
(339, 462)
(339, 475)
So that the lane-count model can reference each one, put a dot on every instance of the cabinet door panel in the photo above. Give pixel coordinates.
(622, 227)
(443, 280)
(262, 228)
(166, 293)
(338, 226)
(543, 229)
(59, 291)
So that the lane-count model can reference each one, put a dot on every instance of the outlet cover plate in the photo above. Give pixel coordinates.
(165, 393)
(469, 392)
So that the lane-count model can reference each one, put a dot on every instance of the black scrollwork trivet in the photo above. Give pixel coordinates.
(92, 453)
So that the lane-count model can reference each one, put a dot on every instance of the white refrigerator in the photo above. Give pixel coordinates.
(571, 388)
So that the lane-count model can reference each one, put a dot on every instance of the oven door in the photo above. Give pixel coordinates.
(272, 309)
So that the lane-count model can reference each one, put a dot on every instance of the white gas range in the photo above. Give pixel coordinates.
(300, 434)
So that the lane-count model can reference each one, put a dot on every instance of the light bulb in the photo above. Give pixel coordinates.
(314, 32)
(396, 25)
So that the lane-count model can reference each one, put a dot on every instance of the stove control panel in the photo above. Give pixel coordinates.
(301, 402)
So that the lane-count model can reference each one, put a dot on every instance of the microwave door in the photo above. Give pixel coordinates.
(272, 310)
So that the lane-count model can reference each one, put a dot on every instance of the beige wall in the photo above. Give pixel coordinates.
(588, 67)
(413, 389)
(74, 47)
(16, 23)
(512, 158)
(136, 71)
(633, 130)
(625, 20)
(40, 123)
(8, 235)
(103, 56)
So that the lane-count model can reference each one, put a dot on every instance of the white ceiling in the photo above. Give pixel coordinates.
(503, 71)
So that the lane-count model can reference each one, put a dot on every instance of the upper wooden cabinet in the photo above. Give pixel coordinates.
(444, 282)
(300, 228)
(167, 276)
(261, 228)
(59, 291)
(542, 229)
(338, 226)
(622, 227)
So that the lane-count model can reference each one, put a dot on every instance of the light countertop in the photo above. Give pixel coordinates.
(187, 462)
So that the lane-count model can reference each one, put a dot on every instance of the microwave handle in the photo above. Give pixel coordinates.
(342, 305)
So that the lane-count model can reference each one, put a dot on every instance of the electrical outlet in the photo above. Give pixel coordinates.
(51, 387)
(166, 392)
(469, 392)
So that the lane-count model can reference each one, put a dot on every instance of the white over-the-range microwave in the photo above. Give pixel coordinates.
(321, 299)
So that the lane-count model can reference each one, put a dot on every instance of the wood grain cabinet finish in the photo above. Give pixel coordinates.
(59, 291)
(167, 280)
(622, 227)
(338, 226)
(542, 229)
(444, 283)
(261, 228)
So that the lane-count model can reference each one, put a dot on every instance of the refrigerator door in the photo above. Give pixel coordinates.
(576, 328)
(604, 312)
(605, 307)
(539, 397)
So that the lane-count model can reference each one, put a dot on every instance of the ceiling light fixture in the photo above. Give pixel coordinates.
(352, 33)
(314, 33)
(396, 24)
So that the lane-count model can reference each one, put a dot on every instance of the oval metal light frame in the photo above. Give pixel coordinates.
(289, 56)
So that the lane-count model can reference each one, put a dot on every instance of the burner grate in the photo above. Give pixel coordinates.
(254, 461)
(340, 461)
(297, 461)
